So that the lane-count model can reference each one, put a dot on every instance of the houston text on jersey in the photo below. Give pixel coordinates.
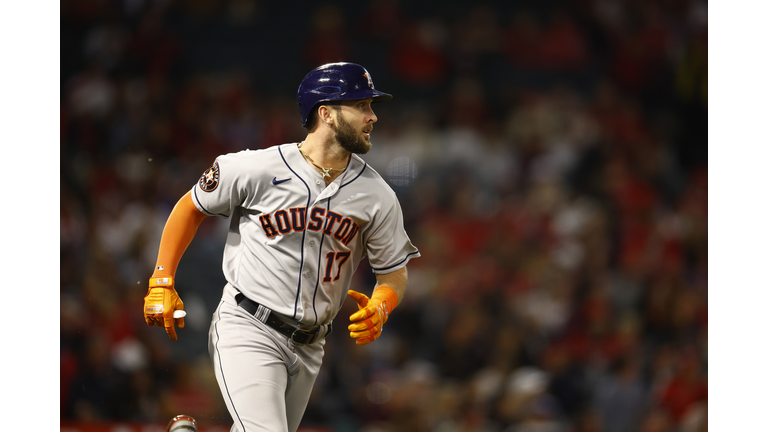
(294, 219)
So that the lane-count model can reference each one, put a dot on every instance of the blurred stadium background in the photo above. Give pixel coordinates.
(551, 161)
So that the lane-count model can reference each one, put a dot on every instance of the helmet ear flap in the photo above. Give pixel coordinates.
(310, 122)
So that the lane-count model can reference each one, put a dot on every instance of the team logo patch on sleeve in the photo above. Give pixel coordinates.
(210, 178)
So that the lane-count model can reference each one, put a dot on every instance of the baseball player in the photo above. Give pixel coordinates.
(303, 216)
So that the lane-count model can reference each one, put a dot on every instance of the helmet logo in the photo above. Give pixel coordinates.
(370, 81)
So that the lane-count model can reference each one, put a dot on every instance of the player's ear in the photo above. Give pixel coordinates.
(327, 113)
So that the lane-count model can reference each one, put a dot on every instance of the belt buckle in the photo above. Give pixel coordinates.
(303, 332)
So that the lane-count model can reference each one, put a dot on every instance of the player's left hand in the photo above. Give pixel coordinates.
(367, 321)
(160, 303)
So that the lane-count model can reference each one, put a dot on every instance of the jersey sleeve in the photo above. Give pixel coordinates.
(221, 188)
(388, 246)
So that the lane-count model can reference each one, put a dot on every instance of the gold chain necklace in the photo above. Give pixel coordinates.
(326, 171)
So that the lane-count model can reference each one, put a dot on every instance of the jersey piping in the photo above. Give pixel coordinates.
(320, 261)
(199, 204)
(365, 165)
(407, 257)
(303, 235)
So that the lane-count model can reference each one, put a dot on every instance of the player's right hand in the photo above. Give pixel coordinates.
(160, 303)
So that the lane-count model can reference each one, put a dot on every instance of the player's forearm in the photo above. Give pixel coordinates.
(397, 280)
(179, 231)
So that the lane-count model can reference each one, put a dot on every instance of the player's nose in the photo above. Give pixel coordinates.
(371, 115)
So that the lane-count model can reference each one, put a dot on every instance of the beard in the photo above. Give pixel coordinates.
(350, 139)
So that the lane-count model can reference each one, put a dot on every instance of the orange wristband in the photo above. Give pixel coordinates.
(388, 297)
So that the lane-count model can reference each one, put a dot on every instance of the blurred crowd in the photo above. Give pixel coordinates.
(551, 162)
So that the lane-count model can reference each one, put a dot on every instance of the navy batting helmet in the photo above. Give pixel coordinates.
(336, 82)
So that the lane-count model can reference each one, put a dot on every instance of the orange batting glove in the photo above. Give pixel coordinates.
(160, 303)
(372, 314)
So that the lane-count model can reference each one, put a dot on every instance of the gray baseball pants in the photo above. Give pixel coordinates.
(265, 378)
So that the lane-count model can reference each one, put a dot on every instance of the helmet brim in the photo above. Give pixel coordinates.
(358, 94)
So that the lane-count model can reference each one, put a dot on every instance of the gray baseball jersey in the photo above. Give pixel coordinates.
(294, 243)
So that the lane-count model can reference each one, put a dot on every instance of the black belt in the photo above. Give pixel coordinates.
(295, 333)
